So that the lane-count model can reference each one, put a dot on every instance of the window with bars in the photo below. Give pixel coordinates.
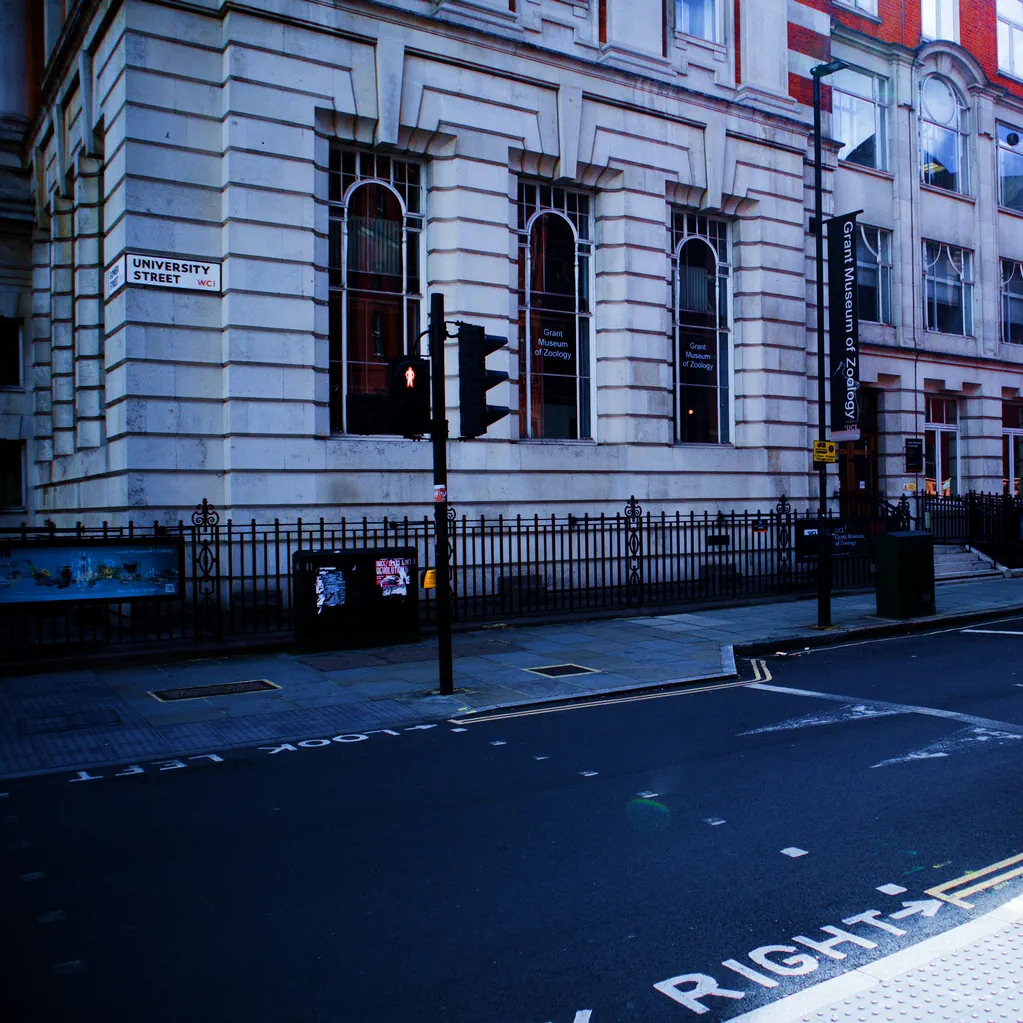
(701, 336)
(554, 265)
(874, 274)
(376, 225)
(948, 288)
(943, 136)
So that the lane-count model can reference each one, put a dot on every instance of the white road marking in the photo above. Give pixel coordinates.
(53, 917)
(898, 708)
(589, 774)
(647, 795)
(964, 738)
(713, 821)
(499, 742)
(72, 966)
(5, 795)
(793, 851)
(459, 729)
(890, 889)
(541, 758)
(994, 632)
(583, 1016)
(927, 907)
(851, 712)
(35, 875)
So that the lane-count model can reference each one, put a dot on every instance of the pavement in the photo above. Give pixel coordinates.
(93, 716)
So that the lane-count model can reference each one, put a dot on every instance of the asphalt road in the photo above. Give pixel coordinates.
(538, 868)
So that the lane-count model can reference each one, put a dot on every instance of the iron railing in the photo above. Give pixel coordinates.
(238, 577)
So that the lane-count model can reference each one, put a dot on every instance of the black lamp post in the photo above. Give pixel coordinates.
(824, 549)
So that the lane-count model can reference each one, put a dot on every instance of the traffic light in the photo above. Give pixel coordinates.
(410, 396)
(474, 379)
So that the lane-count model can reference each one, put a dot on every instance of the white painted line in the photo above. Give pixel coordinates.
(499, 742)
(890, 889)
(713, 821)
(459, 729)
(793, 851)
(994, 632)
(5, 795)
(541, 758)
(35, 875)
(821, 996)
(589, 774)
(647, 795)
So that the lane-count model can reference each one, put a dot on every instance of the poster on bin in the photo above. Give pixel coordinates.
(84, 569)
(393, 576)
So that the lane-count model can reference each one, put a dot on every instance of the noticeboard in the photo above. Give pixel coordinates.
(112, 569)
(914, 455)
(849, 537)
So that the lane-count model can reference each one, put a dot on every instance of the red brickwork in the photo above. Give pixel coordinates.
(801, 90)
(804, 40)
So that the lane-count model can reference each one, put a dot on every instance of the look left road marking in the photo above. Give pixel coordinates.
(946, 894)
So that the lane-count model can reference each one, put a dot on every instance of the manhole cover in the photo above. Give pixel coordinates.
(256, 685)
(558, 670)
(68, 722)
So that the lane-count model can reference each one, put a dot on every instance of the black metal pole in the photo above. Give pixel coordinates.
(824, 537)
(439, 435)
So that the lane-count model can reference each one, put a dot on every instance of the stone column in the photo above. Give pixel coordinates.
(89, 372)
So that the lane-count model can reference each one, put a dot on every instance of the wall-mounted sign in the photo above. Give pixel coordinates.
(90, 569)
(163, 272)
(844, 327)
(914, 454)
(824, 451)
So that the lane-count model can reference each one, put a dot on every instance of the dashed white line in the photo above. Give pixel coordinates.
(647, 795)
(589, 774)
(794, 851)
(459, 729)
(34, 875)
(713, 821)
(890, 889)
(541, 758)
(499, 742)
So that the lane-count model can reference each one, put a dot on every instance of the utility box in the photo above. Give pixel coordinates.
(355, 597)
(904, 573)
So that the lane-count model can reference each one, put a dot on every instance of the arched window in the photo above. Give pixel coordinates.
(375, 296)
(943, 136)
(701, 336)
(554, 313)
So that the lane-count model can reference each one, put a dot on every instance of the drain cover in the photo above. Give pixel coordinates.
(256, 685)
(559, 670)
(68, 722)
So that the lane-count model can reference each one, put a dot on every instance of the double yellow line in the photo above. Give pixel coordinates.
(944, 892)
(760, 674)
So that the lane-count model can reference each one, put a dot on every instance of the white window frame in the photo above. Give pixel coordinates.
(883, 260)
(1007, 27)
(880, 102)
(718, 21)
(965, 273)
(938, 429)
(1006, 297)
(716, 235)
(962, 133)
(860, 6)
(1010, 468)
(1003, 147)
(944, 10)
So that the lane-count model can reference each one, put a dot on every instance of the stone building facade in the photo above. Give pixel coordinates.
(620, 187)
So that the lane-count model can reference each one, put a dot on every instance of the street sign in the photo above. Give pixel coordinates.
(166, 271)
(825, 451)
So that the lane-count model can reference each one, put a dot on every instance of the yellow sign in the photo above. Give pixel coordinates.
(824, 451)
(430, 579)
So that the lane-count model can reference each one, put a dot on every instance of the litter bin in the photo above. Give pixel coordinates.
(904, 573)
(355, 597)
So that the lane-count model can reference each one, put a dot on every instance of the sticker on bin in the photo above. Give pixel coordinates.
(393, 576)
(430, 579)
(330, 588)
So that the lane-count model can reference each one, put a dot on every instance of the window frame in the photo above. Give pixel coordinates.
(22, 464)
(961, 129)
(936, 429)
(338, 269)
(1011, 27)
(879, 101)
(676, 7)
(1003, 147)
(884, 271)
(1012, 436)
(1006, 299)
(867, 7)
(18, 330)
(557, 200)
(687, 225)
(966, 284)
(939, 25)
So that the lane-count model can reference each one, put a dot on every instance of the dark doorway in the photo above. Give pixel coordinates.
(857, 463)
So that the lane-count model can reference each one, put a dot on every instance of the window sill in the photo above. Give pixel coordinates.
(872, 171)
(865, 15)
(1009, 211)
(957, 337)
(924, 187)
(13, 389)
(541, 441)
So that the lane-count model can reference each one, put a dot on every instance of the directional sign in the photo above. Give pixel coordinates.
(825, 451)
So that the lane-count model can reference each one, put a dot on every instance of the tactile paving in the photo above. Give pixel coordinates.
(981, 983)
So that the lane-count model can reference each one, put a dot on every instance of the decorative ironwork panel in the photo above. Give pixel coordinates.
(633, 553)
(206, 570)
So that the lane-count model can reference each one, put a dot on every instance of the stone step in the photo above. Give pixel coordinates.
(964, 576)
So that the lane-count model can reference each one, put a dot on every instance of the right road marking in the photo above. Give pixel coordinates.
(944, 891)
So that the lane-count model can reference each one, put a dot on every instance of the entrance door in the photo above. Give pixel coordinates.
(857, 463)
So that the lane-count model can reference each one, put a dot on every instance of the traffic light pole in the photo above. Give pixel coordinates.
(439, 435)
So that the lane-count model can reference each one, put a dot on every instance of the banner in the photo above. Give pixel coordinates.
(844, 327)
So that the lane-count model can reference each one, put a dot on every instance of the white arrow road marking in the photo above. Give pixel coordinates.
(965, 738)
(927, 907)
(851, 712)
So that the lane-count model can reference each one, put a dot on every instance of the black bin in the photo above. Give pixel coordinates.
(355, 597)
(904, 573)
